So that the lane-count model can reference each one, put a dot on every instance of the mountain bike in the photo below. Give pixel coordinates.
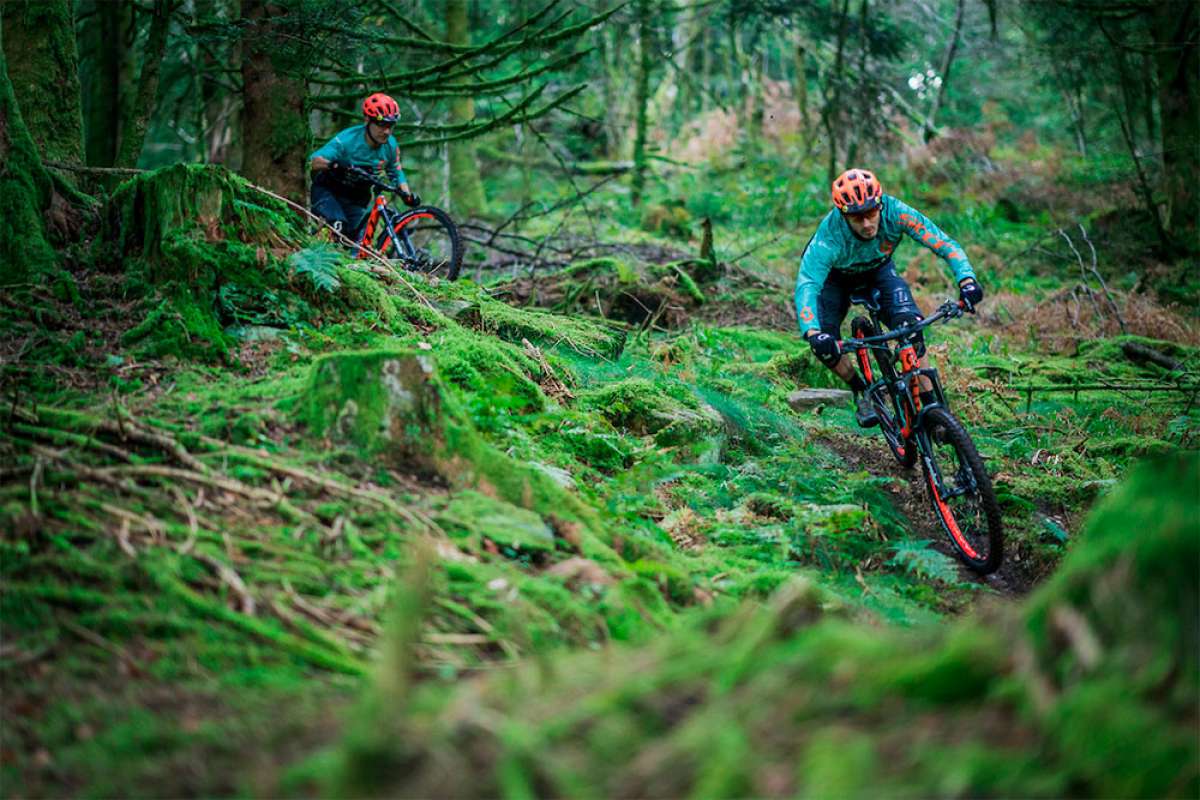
(956, 480)
(422, 239)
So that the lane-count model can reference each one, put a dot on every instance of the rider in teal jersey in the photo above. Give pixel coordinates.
(851, 252)
(337, 196)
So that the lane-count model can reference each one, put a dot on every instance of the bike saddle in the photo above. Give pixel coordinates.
(867, 297)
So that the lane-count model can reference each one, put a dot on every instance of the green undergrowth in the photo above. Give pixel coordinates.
(212, 478)
(1091, 687)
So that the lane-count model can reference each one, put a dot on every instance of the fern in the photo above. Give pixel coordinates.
(916, 557)
(320, 264)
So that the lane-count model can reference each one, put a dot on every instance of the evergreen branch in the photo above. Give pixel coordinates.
(541, 38)
(512, 116)
(483, 87)
(403, 19)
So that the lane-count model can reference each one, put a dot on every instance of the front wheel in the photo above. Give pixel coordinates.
(423, 239)
(960, 491)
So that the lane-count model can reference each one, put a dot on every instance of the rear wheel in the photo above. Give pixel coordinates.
(423, 239)
(960, 491)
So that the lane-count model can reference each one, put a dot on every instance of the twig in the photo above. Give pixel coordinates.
(231, 579)
(1100, 278)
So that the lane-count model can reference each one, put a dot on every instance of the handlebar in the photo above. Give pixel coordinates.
(947, 310)
(360, 174)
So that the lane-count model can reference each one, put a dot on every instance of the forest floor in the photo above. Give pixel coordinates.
(206, 533)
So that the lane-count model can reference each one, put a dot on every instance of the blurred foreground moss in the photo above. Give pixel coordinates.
(1090, 689)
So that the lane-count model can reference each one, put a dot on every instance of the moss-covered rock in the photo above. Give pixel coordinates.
(642, 408)
(478, 517)
(619, 289)
(391, 405)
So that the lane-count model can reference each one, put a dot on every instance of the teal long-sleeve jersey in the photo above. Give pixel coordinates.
(351, 146)
(834, 246)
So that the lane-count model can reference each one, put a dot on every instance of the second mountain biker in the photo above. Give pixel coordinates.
(852, 251)
(336, 196)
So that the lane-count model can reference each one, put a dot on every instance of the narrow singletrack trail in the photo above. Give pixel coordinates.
(907, 490)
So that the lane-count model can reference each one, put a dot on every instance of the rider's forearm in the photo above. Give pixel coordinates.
(319, 164)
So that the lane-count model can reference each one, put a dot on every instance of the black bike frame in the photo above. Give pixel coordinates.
(907, 382)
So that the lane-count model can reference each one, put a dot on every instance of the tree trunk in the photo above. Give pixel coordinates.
(466, 188)
(641, 100)
(25, 191)
(133, 125)
(277, 138)
(101, 49)
(1178, 65)
(944, 73)
(800, 86)
(43, 68)
(831, 112)
(221, 110)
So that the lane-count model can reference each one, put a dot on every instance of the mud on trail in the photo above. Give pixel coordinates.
(1014, 579)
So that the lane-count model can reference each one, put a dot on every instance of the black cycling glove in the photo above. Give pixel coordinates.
(825, 347)
(338, 168)
(412, 200)
(971, 294)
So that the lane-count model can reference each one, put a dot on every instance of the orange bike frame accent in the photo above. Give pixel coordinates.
(908, 363)
(865, 365)
(364, 241)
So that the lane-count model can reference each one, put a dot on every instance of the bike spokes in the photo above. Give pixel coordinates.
(425, 242)
(961, 492)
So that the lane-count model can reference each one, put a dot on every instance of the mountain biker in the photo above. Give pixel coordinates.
(337, 196)
(852, 251)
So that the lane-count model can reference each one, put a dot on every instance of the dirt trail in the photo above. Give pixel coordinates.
(869, 452)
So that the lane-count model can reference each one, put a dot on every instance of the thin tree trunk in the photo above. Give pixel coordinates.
(800, 87)
(1177, 62)
(1126, 117)
(641, 100)
(101, 51)
(43, 68)
(944, 73)
(221, 112)
(612, 118)
(134, 125)
(466, 188)
(864, 90)
(276, 134)
(830, 111)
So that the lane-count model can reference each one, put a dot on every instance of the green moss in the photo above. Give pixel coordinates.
(643, 408)
(591, 337)
(25, 190)
(363, 292)
(1101, 701)
(483, 517)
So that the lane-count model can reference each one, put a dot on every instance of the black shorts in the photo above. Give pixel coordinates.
(896, 300)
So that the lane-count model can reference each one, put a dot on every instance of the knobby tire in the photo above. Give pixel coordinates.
(972, 521)
(448, 265)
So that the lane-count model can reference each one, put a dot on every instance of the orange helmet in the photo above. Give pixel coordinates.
(381, 108)
(856, 190)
